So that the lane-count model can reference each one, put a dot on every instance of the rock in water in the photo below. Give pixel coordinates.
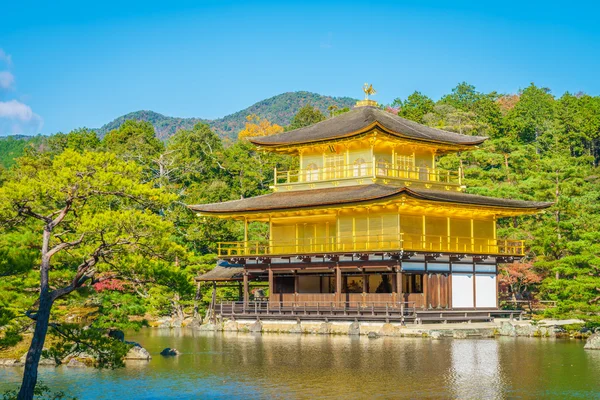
(373, 335)
(137, 352)
(593, 342)
(354, 329)
(256, 327)
(170, 352)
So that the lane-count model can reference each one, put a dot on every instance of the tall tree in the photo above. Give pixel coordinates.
(532, 116)
(90, 208)
(415, 107)
(306, 116)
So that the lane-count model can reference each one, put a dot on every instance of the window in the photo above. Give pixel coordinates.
(412, 283)
(405, 165)
(360, 167)
(382, 167)
(334, 166)
(312, 172)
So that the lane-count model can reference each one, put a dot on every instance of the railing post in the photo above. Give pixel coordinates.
(275, 176)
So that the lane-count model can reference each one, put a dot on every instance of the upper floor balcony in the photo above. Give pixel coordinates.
(374, 243)
(368, 172)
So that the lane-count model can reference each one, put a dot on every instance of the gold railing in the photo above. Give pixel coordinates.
(368, 170)
(406, 242)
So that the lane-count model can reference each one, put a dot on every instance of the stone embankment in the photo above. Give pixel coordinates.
(546, 328)
(83, 359)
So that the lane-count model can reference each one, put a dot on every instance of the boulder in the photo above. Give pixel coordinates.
(388, 329)
(508, 329)
(436, 335)
(459, 334)
(324, 328)
(194, 323)
(256, 327)
(354, 329)
(137, 352)
(170, 352)
(231, 326)
(297, 328)
(176, 323)
(43, 360)
(76, 363)
(593, 342)
(9, 362)
(208, 327)
(373, 335)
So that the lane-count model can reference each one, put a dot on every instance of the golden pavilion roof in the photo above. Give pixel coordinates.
(344, 195)
(361, 120)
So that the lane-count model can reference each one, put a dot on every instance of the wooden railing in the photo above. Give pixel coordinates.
(392, 242)
(332, 309)
(368, 170)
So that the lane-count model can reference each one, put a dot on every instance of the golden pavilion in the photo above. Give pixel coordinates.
(368, 227)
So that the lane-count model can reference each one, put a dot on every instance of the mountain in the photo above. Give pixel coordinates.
(279, 109)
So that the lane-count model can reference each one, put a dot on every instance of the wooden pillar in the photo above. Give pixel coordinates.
(365, 287)
(295, 286)
(246, 290)
(213, 302)
(338, 283)
(271, 286)
(400, 295)
(426, 289)
(270, 235)
(246, 236)
(450, 290)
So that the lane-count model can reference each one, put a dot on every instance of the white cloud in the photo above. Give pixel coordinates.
(5, 57)
(18, 118)
(6, 80)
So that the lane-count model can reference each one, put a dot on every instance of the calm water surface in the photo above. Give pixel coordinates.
(222, 365)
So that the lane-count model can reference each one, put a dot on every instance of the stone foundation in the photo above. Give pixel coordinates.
(380, 329)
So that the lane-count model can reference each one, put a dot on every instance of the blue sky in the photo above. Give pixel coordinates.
(65, 64)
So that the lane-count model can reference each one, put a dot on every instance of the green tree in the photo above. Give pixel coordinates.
(532, 116)
(90, 210)
(415, 107)
(306, 116)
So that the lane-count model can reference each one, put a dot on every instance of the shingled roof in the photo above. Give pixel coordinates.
(356, 194)
(223, 271)
(361, 120)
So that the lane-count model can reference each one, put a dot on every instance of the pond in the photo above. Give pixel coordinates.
(222, 365)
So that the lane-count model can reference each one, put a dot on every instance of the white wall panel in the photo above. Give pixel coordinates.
(462, 290)
(485, 291)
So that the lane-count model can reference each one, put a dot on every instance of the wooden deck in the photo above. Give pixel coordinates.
(355, 311)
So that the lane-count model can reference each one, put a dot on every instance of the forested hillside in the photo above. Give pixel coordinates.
(278, 109)
(140, 247)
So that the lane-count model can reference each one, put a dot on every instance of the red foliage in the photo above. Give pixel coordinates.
(393, 110)
(110, 284)
(507, 102)
(517, 278)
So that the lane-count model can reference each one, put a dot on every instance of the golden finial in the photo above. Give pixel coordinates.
(369, 91)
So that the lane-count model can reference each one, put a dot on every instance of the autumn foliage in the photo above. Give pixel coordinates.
(518, 279)
(256, 126)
